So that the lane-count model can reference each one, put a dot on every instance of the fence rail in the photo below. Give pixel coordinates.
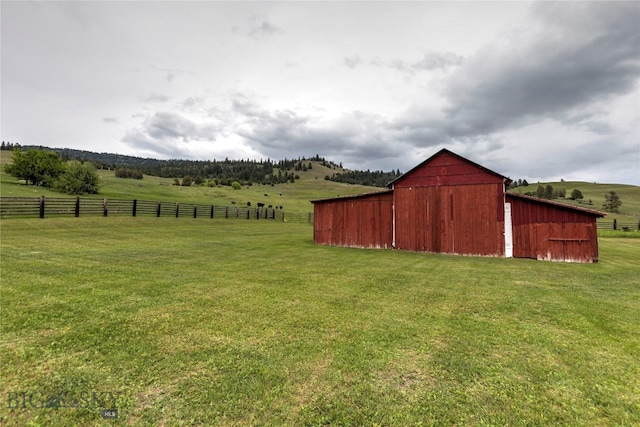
(41, 207)
(615, 225)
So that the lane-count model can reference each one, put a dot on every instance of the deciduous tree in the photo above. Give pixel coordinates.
(36, 167)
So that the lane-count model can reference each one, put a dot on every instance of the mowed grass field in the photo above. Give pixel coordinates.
(192, 322)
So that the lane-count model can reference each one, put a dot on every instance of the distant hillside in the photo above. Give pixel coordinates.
(245, 171)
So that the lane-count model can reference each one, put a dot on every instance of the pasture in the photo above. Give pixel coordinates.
(190, 322)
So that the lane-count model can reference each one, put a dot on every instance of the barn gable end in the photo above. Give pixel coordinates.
(448, 204)
(447, 168)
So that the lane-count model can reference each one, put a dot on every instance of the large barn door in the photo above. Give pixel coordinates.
(508, 232)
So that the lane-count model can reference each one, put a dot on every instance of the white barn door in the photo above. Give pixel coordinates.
(508, 231)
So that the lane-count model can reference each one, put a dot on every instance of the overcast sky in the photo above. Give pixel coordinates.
(540, 91)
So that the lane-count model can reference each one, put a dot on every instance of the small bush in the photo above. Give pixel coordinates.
(128, 173)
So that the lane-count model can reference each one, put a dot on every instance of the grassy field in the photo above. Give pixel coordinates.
(292, 197)
(188, 322)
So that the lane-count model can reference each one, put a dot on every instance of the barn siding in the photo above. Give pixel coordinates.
(459, 219)
(363, 221)
(548, 232)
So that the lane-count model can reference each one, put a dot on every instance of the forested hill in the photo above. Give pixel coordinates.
(245, 171)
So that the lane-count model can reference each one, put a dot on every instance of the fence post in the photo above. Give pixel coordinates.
(638, 225)
(77, 211)
(248, 213)
(158, 211)
(195, 211)
(177, 210)
(226, 212)
(105, 206)
(211, 211)
(615, 224)
(135, 206)
(41, 206)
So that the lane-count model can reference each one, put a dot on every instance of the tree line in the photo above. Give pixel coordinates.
(368, 177)
(8, 146)
(225, 171)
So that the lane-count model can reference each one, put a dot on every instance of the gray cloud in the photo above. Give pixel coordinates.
(156, 97)
(355, 136)
(352, 61)
(258, 27)
(264, 28)
(429, 62)
(166, 133)
(110, 120)
(533, 76)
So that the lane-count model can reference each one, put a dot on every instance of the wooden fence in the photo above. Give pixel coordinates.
(615, 225)
(41, 207)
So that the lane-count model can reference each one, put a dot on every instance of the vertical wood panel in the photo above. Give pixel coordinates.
(449, 219)
(359, 221)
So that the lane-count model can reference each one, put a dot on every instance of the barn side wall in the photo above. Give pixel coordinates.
(547, 232)
(357, 222)
(460, 219)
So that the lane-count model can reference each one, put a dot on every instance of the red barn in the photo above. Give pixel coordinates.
(449, 204)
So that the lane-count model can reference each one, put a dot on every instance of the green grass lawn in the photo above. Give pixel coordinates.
(224, 322)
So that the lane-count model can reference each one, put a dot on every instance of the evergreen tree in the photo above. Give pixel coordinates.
(548, 192)
(611, 202)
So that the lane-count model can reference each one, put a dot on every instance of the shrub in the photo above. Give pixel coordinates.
(576, 194)
(79, 178)
(128, 173)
